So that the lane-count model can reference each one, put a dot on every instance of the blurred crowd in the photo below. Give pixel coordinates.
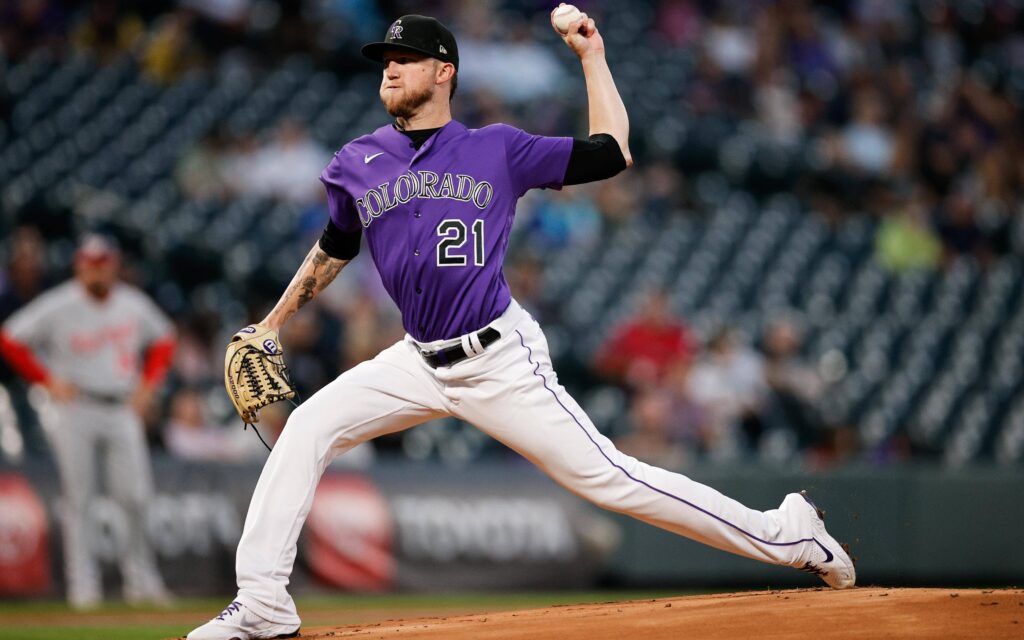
(170, 37)
(906, 112)
(909, 112)
(721, 400)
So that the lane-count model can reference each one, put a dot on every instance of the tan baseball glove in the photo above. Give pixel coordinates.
(254, 371)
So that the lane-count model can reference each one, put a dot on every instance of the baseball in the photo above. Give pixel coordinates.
(564, 16)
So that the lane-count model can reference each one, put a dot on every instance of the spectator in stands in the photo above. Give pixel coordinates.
(667, 425)
(679, 22)
(641, 351)
(190, 435)
(170, 49)
(777, 100)
(311, 343)
(283, 168)
(369, 326)
(219, 24)
(26, 25)
(795, 386)
(240, 154)
(201, 171)
(565, 219)
(729, 41)
(25, 276)
(24, 279)
(355, 20)
(619, 199)
(525, 280)
(866, 144)
(729, 382)
(650, 437)
(196, 361)
(664, 189)
(106, 29)
(905, 239)
(806, 49)
(959, 230)
(288, 167)
(841, 444)
(502, 57)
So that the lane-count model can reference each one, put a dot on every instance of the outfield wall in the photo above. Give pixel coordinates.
(502, 525)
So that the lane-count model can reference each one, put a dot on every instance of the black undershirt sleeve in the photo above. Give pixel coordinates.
(595, 159)
(341, 245)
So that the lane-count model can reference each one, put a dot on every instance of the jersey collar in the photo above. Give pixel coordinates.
(400, 144)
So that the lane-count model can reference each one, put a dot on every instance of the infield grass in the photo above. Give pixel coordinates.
(115, 621)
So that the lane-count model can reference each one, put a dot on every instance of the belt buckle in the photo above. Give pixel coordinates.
(434, 358)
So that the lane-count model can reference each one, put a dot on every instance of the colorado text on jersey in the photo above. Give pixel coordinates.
(423, 184)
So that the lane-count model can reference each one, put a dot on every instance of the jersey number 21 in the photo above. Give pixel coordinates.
(453, 232)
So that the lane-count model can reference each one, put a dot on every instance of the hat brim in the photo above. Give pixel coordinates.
(375, 50)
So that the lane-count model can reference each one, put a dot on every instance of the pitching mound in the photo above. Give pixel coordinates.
(812, 614)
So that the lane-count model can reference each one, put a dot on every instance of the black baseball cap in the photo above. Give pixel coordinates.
(423, 34)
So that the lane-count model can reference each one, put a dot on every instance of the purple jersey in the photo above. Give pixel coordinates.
(437, 219)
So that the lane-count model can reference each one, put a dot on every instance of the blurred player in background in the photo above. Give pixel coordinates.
(100, 348)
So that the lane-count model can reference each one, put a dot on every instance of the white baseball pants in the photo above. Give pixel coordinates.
(83, 434)
(511, 393)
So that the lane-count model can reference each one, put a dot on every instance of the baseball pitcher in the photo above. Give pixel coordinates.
(435, 201)
(101, 349)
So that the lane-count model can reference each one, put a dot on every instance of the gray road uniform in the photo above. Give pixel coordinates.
(99, 347)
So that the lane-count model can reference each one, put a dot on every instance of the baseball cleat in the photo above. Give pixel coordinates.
(238, 623)
(827, 558)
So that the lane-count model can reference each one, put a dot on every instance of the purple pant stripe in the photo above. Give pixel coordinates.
(536, 372)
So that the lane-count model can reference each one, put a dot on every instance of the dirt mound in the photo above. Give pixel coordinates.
(869, 612)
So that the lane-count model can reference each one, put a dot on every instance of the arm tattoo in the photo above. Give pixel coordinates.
(317, 271)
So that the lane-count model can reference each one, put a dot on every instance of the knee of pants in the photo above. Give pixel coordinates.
(308, 428)
(607, 477)
(607, 488)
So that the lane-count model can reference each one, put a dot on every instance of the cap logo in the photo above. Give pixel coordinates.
(443, 50)
(396, 30)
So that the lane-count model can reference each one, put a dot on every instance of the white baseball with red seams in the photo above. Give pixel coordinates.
(565, 15)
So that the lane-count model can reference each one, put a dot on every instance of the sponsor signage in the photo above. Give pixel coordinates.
(349, 533)
(24, 539)
(391, 528)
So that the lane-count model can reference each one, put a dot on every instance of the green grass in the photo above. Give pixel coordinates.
(55, 621)
(120, 632)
